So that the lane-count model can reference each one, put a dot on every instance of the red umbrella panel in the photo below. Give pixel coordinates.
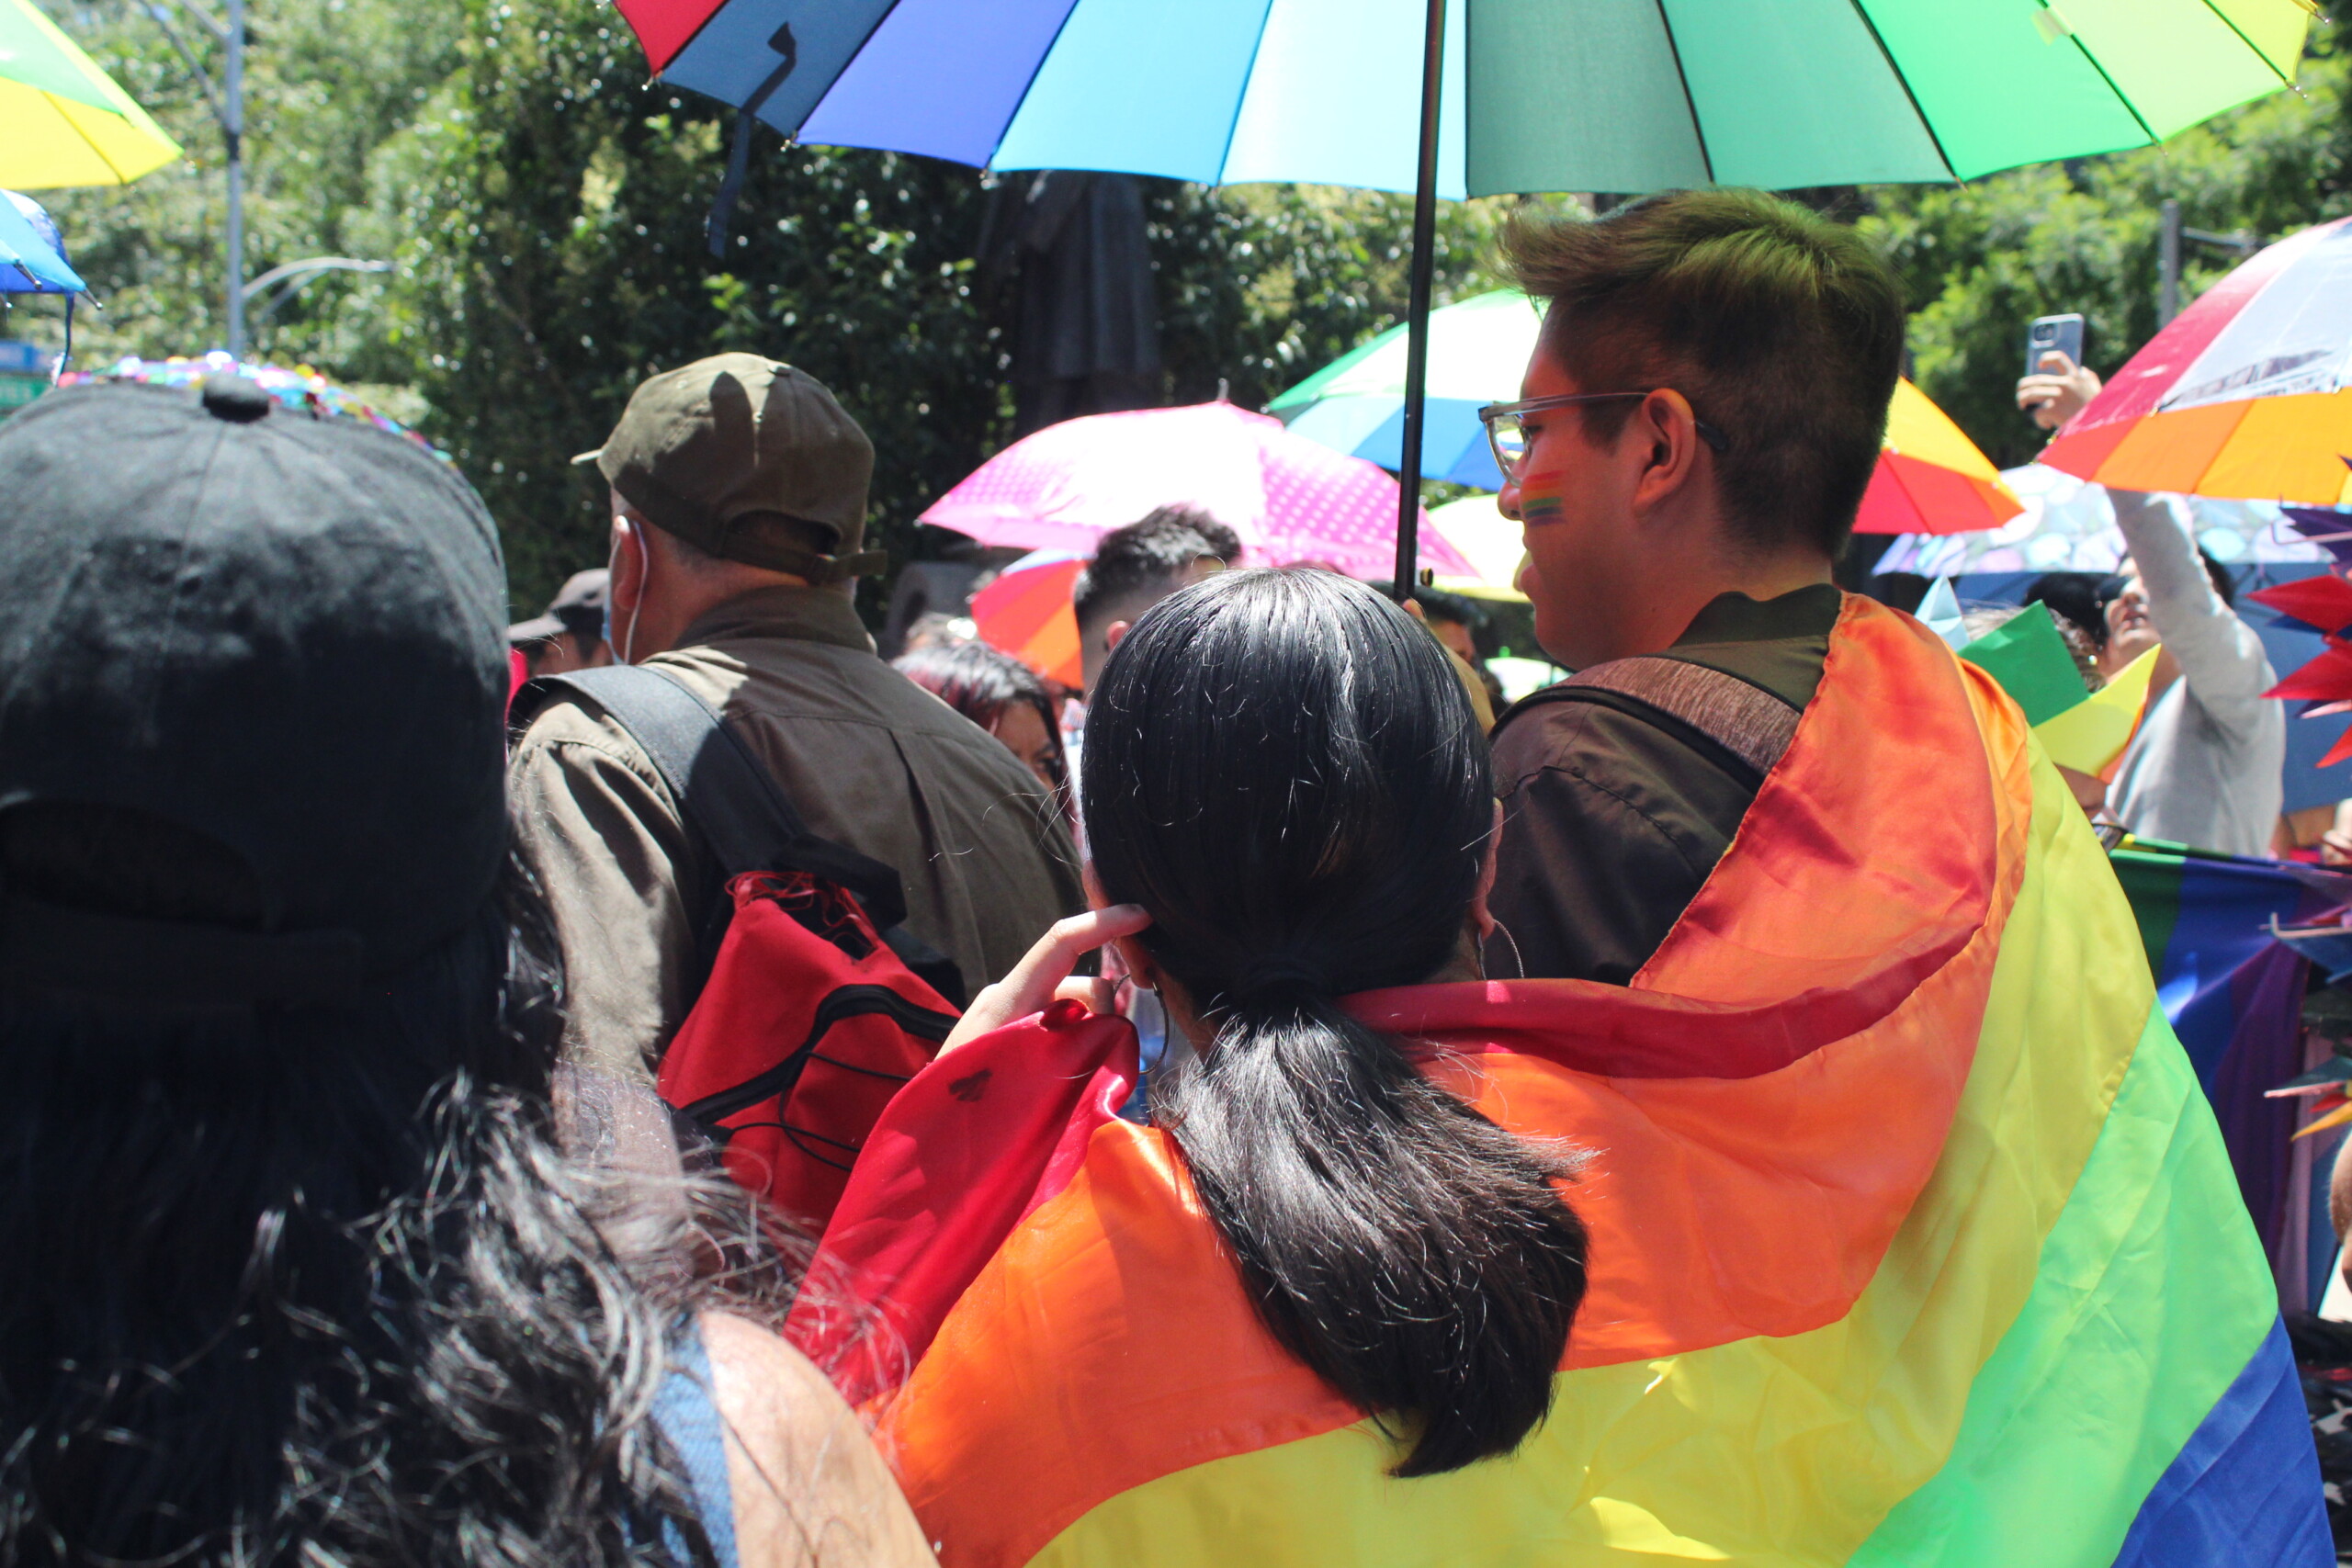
(2243, 395)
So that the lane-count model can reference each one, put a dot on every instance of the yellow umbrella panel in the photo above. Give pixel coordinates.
(62, 120)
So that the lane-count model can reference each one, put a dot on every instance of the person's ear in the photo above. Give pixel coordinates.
(1482, 920)
(626, 561)
(1133, 956)
(1114, 634)
(1669, 431)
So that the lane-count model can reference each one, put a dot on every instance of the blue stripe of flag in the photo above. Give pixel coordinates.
(2244, 1489)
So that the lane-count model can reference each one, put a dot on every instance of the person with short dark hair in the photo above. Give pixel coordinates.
(570, 635)
(1703, 411)
(297, 1270)
(1002, 695)
(738, 490)
(1135, 567)
(2076, 598)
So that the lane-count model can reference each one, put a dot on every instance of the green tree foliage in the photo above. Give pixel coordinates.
(548, 213)
(544, 205)
(326, 82)
(1982, 259)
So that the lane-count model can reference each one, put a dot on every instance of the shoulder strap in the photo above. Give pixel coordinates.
(1749, 722)
(732, 799)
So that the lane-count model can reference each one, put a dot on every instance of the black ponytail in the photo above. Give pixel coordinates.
(1283, 769)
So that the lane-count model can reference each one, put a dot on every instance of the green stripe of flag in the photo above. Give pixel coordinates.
(2151, 1296)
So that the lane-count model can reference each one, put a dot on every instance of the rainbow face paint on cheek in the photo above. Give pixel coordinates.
(1539, 498)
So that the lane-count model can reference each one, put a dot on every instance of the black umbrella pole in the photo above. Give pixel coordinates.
(1417, 308)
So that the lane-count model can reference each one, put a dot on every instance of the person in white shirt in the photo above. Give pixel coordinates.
(2204, 769)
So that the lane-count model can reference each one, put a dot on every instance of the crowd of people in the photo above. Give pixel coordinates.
(1302, 1006)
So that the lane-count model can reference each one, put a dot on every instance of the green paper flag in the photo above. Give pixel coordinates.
(2032, 662)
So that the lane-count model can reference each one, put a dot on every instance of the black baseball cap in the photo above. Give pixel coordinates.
(283, 634)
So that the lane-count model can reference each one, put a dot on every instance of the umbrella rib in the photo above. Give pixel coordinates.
(1706, 159)
(1233, 125)
(1030, 85)
(2121, 96)
(2226, 22)
(680, 53)
(1903, 82)
(57, 107)
(850, 59)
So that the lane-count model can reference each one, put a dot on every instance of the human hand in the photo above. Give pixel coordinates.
(2058, 390)
(1042, 976)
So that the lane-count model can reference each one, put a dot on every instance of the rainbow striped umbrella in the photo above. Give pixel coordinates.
(1595, 96)
(1931, 478)
(2247, 394)
(299, 388)
(1027, 613)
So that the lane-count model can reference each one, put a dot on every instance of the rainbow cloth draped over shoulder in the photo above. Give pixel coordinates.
(1912, 1239)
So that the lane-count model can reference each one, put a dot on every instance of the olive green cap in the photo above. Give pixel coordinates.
(722, 451)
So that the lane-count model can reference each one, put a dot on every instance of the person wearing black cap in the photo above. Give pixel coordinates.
(295, 1271)
(739, 511)
(570, 635)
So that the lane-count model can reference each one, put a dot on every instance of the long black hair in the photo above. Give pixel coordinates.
(314, 1283)
(1282, 769)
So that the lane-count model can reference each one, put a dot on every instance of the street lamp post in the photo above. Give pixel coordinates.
(2169, 234)
(229, 112)
(233, 132)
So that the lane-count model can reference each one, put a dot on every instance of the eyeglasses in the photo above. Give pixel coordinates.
(1507, 437)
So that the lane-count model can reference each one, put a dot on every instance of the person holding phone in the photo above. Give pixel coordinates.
(2205, 767)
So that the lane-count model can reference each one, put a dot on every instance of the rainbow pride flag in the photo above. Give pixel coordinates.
(2233, 995)
(1914, 1241)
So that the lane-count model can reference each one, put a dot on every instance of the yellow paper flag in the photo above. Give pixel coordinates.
(2090, 736)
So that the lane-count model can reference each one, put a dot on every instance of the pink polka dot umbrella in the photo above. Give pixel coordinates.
(1290, 499)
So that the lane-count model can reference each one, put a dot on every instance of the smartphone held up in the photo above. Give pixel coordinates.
(2053, 334)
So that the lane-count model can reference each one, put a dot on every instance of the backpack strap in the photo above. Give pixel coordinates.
(1752, 724)
(734, 802)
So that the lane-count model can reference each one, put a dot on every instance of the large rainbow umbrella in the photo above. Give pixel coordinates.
(2243, 395)
(1291, 499)
(1479, 96)
(62, 120)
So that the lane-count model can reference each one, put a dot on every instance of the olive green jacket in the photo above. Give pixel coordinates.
(871, 760)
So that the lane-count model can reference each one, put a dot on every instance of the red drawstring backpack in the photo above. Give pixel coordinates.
(816, 1004)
